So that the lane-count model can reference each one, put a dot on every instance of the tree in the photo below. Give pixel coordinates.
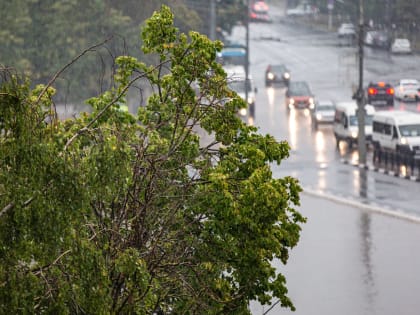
(111, 213)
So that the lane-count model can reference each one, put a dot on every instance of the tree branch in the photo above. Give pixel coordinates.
(116, 99)
(68, 65)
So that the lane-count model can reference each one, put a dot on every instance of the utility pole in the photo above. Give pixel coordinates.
(361, 113)
(213, 19)
(247, 51)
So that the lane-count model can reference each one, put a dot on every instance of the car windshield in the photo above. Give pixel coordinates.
(234, 60)
(410, 131)
(403, 42)
(355, 122)
(299, 89)
(238, 86)
(326, 107)
(278, 69)
(410, 84)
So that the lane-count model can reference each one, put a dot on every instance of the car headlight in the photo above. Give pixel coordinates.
(243, 112)
(286, 75)
(270, 76)
(250, 100)
(404, 140)
(354, 134)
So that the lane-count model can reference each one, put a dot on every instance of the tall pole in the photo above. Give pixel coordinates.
(213, 19)
(361, 113)
(247, 51)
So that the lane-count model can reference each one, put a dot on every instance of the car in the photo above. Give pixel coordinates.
(258, 12)
(378, 39)
(323, 113)
(232, 55)
(244, 88)
(382, 39)
(407, 90)
(380, 93)
(346, 123)
(302, 9)
(277, 74)
(299, 96)
(396, 131)
(401, 46)
(346, 29)
(346, 34)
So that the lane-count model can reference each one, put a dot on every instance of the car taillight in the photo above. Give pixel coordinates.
(372, 91)
(390, 91)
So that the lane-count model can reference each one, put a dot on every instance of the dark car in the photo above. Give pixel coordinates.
(277, 74)
(380, 93)
(378, 39)
(299, 96)
(382, 40)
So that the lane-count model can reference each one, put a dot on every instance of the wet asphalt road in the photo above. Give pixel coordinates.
(331, 71)
(358, 253)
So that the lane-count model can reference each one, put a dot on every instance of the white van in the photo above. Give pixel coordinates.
(396, 131)
(345, 123)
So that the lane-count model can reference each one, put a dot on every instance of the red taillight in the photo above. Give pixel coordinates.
(390, 91)
(372, 91)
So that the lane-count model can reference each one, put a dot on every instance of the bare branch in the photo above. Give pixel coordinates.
(68, 65)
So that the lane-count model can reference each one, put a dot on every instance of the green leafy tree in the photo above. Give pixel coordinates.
(111, 213)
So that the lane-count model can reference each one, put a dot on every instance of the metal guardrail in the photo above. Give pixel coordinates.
(407, 162)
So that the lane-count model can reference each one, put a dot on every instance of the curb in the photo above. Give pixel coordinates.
(374, 208)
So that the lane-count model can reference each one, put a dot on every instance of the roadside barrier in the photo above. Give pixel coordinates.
(397, 161)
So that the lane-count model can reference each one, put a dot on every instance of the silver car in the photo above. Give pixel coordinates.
(323, 113)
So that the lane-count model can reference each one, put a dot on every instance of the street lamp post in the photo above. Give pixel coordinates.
(213, 19)
(247, 51)
(361, 113)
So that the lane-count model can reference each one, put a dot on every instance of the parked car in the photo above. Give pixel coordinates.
(407, 90)
(277, 74)
(378, 39)
(323, 113)
(380, 93)
(346, 29)
(299, 96)
(302, 9)
(346, 34)
(346, 123)
(401, 46)
(258, 12)
(382, 40)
